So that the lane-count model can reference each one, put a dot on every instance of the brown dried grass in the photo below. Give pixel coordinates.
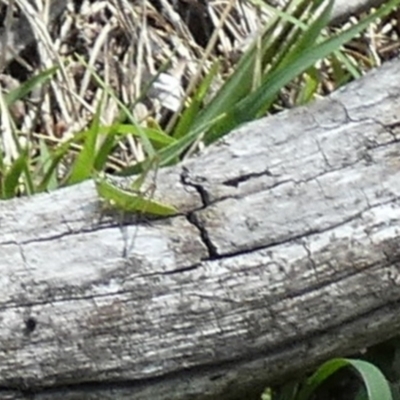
(128, 43)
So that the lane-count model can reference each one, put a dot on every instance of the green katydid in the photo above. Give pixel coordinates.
(132, 199)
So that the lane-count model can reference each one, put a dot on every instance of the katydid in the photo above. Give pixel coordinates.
(132, 199)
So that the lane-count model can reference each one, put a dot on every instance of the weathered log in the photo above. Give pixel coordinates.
(285, 254)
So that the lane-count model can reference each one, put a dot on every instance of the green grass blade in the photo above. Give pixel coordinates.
(50, 172)
(275, 43)
(189, 115)
(236, 87)
(375, 383)
(249, 108)
(240, 83)
(309, 36)
(175, 150)
(343, 68)
(147, 146)
(13, 175)
(288, 28)
(49, 180)
(105, 149)
(83, 166)
(25, 88)
(156, 136)
(311, 82)
(172, 152)
(304, 35)
(55, 158)
(320, 376)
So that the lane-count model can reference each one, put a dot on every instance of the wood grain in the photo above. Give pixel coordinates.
(285, 254)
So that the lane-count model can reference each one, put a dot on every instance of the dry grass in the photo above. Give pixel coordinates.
(128, 43)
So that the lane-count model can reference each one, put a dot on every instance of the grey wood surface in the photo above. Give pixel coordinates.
(285, 254)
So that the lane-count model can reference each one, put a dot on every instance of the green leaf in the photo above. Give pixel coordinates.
(25, 88)
(275, 42)
(176, 149)
(104, 151)
(84, 164)
(147, 146)
(158, 137)
(189, 115)
(374, 381)
(309, 36)
(129, 201)
(13, 175)
(254, 104)
(49, 180)
(309, 88)
(172, 152)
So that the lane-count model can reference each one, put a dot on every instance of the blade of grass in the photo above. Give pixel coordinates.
(309, 36)
(157, 136)
(13, 176)
(172, 152)
(105, 149)
(147, 146)
(25, 88)
(304, 36)
(375, 383)
(54, 160)
(254, 104)
(275, 42)
(347, 65)
(310, 86)
(189, 115)
(83, 166)
(50, 183)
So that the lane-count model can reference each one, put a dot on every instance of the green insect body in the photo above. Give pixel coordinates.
(130, 200)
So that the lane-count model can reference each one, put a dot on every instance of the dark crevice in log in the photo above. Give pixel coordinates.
(243, 178)
(212, 250)
(204, 195)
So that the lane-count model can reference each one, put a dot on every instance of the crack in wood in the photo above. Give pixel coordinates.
(235, 182)
(212, 250)
(185, 180)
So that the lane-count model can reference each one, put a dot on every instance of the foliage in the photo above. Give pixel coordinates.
(375, 384)
(287, 50)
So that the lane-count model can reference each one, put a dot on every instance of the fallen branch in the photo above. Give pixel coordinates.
(285, 254)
